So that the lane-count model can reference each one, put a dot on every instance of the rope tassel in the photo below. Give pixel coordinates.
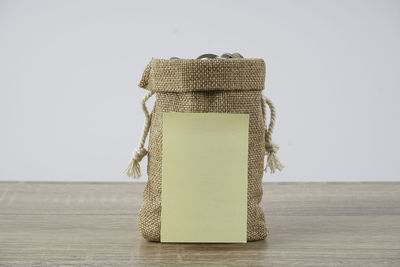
(133, 169)
(272, 159)
(271, 149)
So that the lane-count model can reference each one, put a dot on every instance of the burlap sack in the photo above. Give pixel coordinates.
(212, 85)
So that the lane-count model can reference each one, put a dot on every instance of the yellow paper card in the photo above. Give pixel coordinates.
(204, 177)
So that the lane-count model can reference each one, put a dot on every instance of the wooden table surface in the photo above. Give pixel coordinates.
(95, 224)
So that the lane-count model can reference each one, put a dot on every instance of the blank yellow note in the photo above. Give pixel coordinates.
(204, 177)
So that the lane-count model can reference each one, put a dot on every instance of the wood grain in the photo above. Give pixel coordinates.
(95, 224)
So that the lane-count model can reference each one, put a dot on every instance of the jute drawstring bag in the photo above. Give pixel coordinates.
(230, 84)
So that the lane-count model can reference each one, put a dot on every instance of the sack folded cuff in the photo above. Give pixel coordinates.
(183, 75)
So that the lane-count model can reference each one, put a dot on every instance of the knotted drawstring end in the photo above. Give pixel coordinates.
(271, 149)
(273, 162)
(140, 152)
(133, 169)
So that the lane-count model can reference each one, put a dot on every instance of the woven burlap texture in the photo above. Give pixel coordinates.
(213, 85)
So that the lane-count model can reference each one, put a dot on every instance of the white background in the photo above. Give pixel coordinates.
(70, 105)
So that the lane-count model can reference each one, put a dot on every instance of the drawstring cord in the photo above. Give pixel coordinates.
(140, 152)
(271, 149)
